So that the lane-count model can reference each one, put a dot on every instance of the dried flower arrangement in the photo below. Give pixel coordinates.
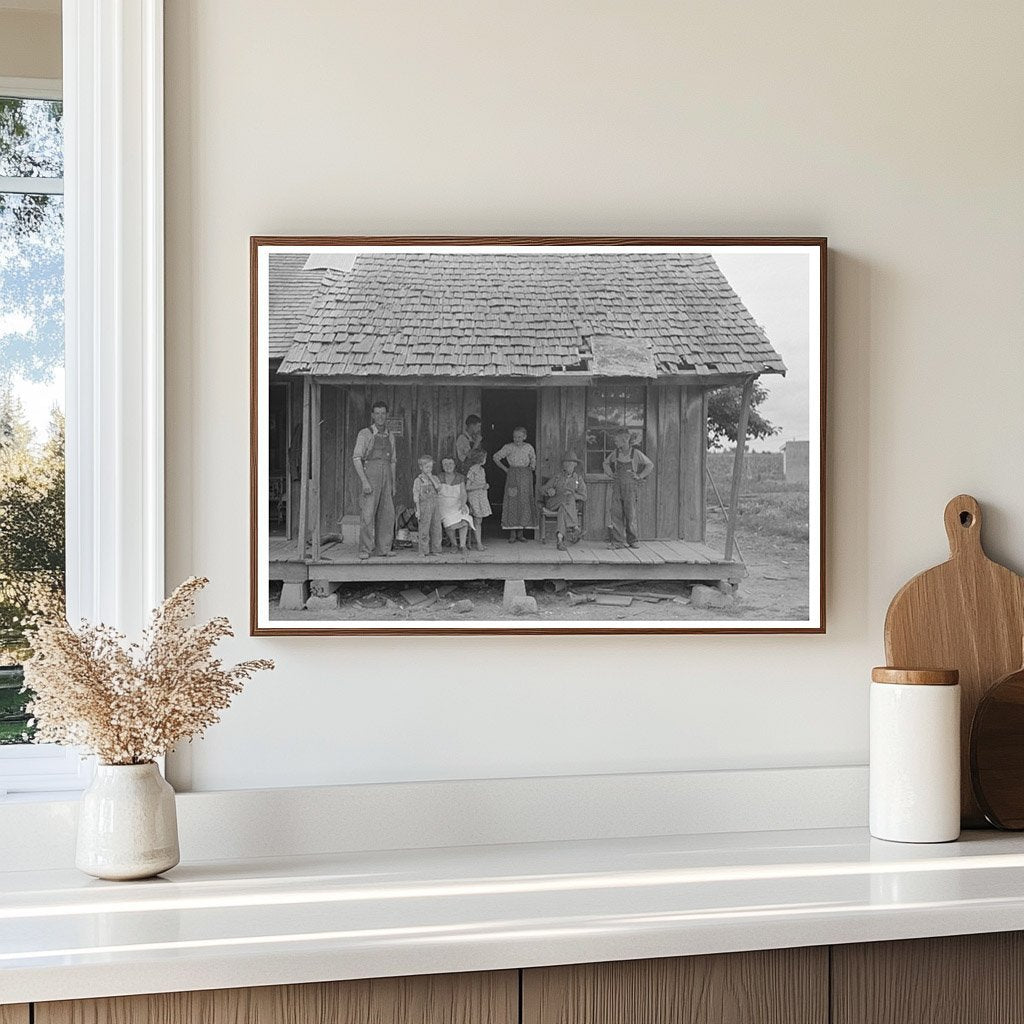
(130, 703)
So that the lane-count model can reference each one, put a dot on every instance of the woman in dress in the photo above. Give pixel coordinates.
(451, 502)
(518, 460)
(476, 490)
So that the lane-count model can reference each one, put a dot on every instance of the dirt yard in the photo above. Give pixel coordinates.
(772, 538)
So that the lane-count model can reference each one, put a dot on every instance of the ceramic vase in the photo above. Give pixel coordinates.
(127, 825)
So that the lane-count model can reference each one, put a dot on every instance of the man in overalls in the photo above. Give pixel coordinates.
(627, 467)
(374, 459)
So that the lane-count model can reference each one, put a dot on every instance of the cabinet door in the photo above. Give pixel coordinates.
(779, 986)
(490, 998)
(961, 979)
(14, 1014)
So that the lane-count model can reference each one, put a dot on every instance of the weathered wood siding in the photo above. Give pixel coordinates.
(428, 417)
(672, 500)
(332, 470)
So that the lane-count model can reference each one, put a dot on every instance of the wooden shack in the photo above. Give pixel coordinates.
(569, 345)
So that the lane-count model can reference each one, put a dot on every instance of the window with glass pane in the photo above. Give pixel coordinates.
(31, 387)
(608, 410)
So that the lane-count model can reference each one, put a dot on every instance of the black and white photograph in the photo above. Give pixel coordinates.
(526, 435)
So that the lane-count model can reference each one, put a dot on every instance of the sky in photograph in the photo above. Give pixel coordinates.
(775, 287)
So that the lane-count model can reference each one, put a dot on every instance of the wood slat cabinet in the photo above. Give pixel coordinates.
(972, 979)
(777, 986)
(961, 979)
(480, 998)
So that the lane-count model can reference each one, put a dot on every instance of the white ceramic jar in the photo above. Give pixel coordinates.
(915, 755)
(127, 823)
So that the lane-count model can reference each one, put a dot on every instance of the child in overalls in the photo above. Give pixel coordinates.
(425, 490)
(626, 467)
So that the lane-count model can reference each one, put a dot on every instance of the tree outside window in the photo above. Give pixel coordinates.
(31, 386)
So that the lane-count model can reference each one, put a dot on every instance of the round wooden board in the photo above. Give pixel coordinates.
(997, 752)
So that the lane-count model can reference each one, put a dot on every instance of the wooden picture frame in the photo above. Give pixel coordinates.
(576, 337)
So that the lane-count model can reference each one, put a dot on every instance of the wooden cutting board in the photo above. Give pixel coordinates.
(967, 614)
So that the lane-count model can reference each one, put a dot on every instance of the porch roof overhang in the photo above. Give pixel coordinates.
(570, 379)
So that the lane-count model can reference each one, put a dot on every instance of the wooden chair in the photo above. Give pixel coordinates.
(550, 516)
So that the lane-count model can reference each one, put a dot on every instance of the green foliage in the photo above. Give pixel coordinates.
(724, 415)
(31, 526)
(14, 720)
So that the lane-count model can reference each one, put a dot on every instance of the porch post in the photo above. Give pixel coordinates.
(304, 479)
(289, 511)
(314, 493)
(737, 467)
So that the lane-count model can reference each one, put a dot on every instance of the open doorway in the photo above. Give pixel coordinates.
(502, 410)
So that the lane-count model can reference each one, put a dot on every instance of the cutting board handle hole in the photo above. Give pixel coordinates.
(966, 519)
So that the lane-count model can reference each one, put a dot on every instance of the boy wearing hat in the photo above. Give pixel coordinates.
(560, 495)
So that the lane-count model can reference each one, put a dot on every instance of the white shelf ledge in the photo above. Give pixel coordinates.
(355, 915)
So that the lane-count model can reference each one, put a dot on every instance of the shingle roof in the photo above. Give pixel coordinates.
(525, 314)
(291, 290)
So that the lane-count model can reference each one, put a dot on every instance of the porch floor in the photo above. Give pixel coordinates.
(587, 560)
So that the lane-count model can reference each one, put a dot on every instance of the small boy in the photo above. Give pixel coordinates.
(626, 467)
(560, 495)
(425, 489)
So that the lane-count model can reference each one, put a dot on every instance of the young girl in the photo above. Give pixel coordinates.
(518, 510)
(476, 491)
(455, 517)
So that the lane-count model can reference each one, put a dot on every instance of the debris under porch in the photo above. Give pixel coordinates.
(587, 560)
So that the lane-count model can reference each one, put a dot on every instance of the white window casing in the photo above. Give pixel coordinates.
(113, 168)
(113, 186)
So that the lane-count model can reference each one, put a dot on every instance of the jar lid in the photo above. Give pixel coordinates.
(916, 676)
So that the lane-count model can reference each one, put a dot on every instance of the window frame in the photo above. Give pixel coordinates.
(588, 475)
(32, 89)
(37, 767)
(112, 89)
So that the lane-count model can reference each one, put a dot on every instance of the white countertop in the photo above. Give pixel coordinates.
(352, 915)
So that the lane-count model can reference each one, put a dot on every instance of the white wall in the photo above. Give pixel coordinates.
(895, 129)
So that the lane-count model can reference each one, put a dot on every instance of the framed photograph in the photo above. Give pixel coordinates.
(537, 435)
